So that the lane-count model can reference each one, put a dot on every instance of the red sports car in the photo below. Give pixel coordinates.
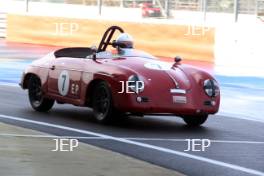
(150, 10)
(120, 81)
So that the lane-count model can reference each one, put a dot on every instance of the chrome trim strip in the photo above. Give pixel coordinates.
(105, 74)
(179, 91)
(174, 80)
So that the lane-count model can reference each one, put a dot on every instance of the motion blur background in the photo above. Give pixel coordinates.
(170, 9)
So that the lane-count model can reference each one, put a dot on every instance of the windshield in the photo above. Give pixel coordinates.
(133, 53)
(124, 53)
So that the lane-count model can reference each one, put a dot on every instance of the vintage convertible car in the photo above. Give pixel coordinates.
(122, 81)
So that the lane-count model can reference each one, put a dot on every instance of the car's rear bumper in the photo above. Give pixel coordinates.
(21, 83)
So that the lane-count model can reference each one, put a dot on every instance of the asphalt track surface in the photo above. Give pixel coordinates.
(237, 146)
(238, 142)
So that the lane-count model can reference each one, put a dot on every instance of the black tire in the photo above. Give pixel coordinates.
(195, 120)
(35, 95)
(102, 103)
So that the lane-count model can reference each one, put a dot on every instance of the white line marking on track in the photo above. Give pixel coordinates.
(236, 116)
(127, 138)
(48, 136)
(9, 84)
(184, 140)
(161, 149)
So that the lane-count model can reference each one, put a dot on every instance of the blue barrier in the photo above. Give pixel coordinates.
(11, 70)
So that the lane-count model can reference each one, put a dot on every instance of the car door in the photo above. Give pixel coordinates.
(65, 77)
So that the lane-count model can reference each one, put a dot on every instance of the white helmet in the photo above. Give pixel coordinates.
(125, 40)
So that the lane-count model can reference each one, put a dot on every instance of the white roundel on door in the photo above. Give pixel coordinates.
(63, 83)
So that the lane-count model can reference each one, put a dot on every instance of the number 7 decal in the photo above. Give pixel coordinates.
(64, 79)
(63, 83)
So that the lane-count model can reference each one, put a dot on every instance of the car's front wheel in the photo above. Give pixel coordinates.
(102, 103)
(195, 120)
(36, 98)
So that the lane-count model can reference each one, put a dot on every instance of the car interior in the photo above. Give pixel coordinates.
(76, 52)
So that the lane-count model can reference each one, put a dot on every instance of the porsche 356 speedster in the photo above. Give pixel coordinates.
(121, 81)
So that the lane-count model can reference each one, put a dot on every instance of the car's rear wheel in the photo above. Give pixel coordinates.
(102, 103)
(36, 98)
(195, 120)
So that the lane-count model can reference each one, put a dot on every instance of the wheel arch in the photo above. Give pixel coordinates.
(26, 79)
(89, 90)
(111, 81)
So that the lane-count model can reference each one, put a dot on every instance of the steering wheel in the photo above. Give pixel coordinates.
(105, 41)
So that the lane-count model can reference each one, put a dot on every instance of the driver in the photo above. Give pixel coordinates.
(124, 41)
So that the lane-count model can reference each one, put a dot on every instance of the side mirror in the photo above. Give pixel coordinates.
(177, 59)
